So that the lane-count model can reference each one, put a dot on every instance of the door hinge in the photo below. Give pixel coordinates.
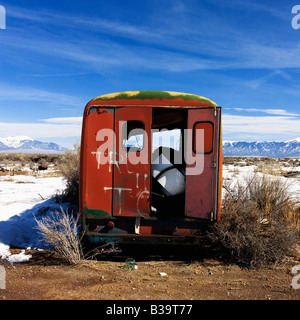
(214, 164)
(215, 111)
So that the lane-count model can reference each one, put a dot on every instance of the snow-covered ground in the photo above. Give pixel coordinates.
(26, 197)
(22, 199)
(238, 173)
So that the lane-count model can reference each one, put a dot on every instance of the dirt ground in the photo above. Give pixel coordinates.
(46, 277)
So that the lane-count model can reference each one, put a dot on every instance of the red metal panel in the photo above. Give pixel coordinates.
(132, 168)
(201, 189)
(97, 169)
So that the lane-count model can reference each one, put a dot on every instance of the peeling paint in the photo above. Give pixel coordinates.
(116, 175)
(154, 95)
(96, 213)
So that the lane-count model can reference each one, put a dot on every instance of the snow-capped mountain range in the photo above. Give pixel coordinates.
(26, 144)
(273, 149)
(290, 148)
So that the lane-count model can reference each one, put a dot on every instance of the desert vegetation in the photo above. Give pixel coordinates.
(260, 215)
(260, 211)
(60, 232)
(68, 166)
(260, 221)
(286, 167)
(27, 164)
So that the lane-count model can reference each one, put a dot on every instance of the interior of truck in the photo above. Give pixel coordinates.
(167, 162)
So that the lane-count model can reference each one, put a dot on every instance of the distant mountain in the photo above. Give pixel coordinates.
(25, 144)
(273, 149)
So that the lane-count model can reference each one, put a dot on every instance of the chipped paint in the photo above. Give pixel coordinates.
(115, 95)
(96, 213)
(116, 181)
(119, 189)
(154, 95)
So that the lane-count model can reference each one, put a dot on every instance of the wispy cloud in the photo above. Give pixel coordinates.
(81, 22)
(260, 128)
(225, 46)
(19, 93)
(98, 57)
(262, 80)
(279, 112)
(40, 130)
(256, 6)
(67, 120)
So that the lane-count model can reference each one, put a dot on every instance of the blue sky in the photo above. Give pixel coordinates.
(55, 56)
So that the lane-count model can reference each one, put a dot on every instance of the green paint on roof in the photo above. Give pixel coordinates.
(154, 95)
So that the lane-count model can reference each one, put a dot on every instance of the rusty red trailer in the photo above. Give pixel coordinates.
(150, 167)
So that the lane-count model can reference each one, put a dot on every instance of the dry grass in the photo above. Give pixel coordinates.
(12, 164)
(274, 169)
(260, 221)
(60, 231)
(69, 168)
(272, 166)
(25, 158)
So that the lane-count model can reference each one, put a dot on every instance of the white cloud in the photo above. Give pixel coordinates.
(224, 48)
(235, 127)
(40, 130)
(20, 93)
(68, 120)
(279, 112)
(260, 127)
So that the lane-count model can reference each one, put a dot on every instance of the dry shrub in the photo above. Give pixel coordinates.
(27, 157)
(271, 167)
(60, 232)
(69, 168)
(260, 221)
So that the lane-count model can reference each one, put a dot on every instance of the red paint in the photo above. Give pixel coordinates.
(122, 191)
(94, 178)
(201, 190)
(132, 181)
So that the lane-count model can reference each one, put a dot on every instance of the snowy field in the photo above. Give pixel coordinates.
(24, 198)
(234, 173)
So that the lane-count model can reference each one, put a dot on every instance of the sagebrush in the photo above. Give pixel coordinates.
(69, 168)
(60, 231)
(260, 221)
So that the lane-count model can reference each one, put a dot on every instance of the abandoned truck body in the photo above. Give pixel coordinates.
(150, 167)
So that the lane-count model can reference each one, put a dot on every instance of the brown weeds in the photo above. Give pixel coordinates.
(69, 168)
(260, 221)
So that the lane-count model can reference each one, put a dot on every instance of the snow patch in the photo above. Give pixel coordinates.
(21, 204)
(293, 140)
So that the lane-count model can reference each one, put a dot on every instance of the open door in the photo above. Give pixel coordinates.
(201, 195)
(96, 175)
(132, 162)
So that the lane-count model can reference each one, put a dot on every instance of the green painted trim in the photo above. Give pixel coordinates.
(154, 95)
(96, 213)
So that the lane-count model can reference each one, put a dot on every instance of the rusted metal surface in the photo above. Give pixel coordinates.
(121, 198)
(96, 199)
(132, 169)
(202, 190)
